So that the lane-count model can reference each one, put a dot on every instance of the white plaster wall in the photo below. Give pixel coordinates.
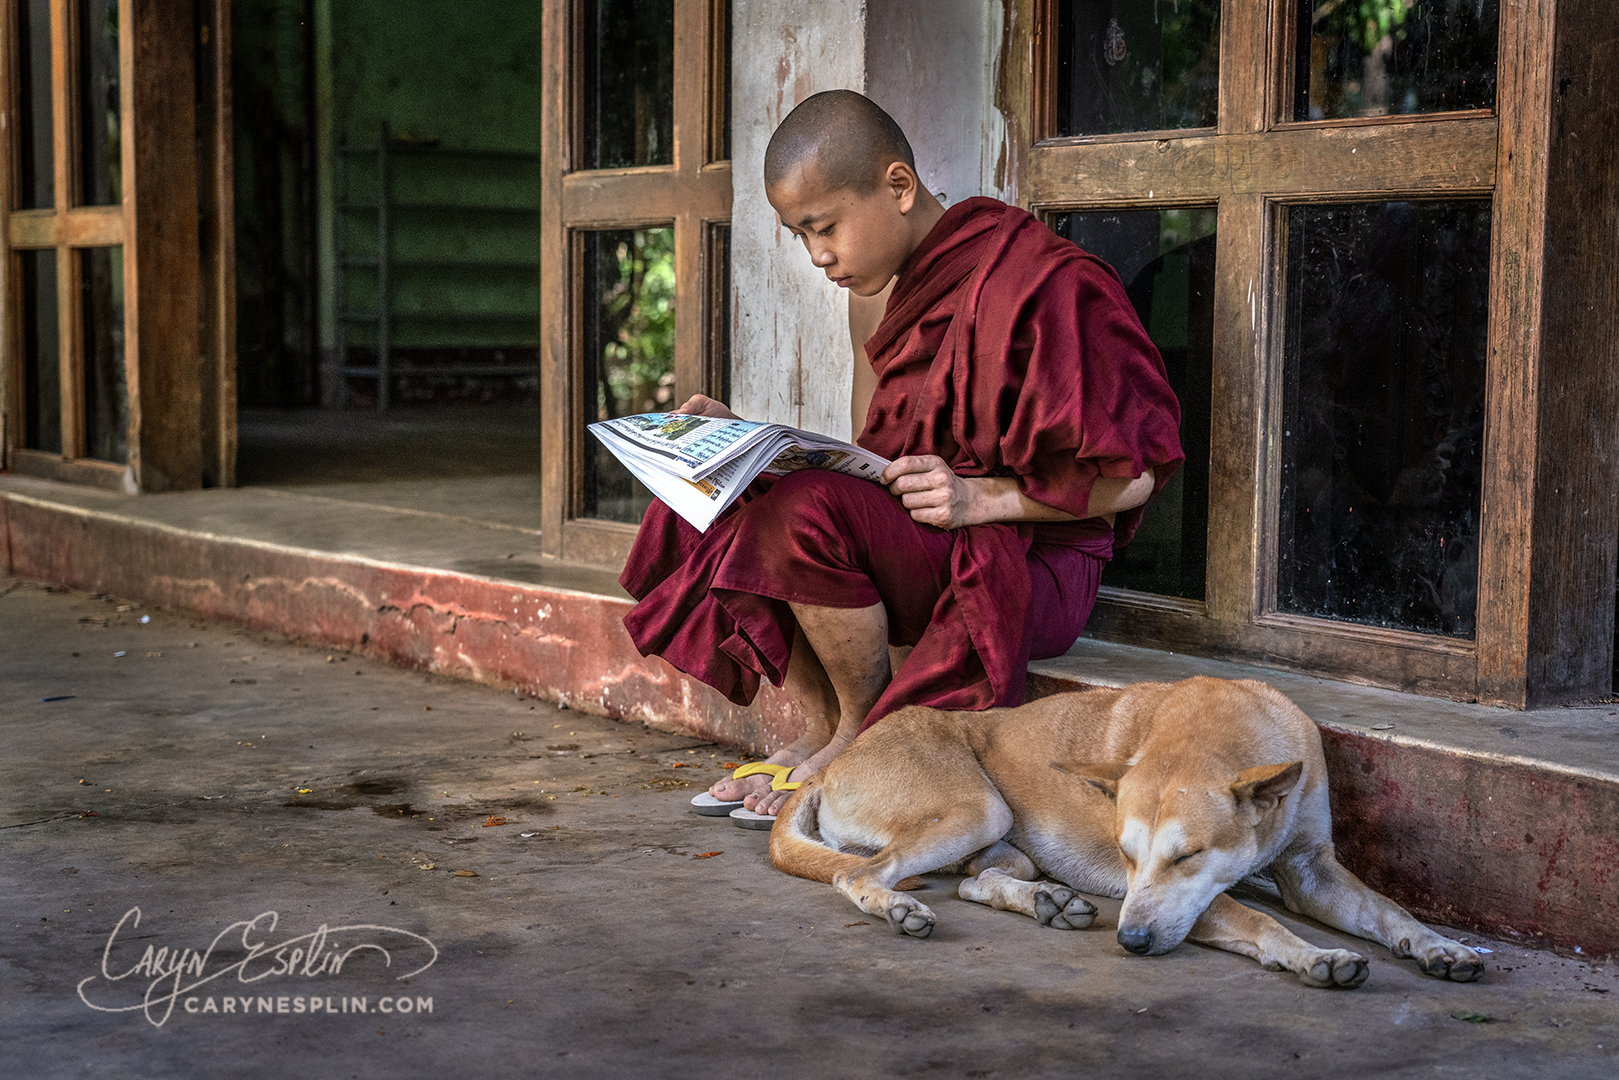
(791, 360)
(932, 66)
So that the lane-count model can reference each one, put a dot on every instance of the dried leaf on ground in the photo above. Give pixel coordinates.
(493, 820)
(465, 873)
(708, 854)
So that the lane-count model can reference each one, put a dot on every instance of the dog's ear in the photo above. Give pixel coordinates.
(1264, 786)
(1102, 775)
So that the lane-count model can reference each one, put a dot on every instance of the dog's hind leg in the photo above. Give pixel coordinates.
(1003, 878)
(1314, 883)
(945, 840)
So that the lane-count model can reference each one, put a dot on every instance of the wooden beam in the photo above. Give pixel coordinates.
(556, 386)
(162, 246)
(1551, 471)
(1336, 162)
(85, 226)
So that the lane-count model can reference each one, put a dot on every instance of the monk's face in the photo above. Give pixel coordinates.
(859, 241)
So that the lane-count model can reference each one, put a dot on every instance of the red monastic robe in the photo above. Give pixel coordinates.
(1006, 351)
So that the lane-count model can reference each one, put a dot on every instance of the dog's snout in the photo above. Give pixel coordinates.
(1138, 941)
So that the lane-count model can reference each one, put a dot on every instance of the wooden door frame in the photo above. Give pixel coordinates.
(171, 284)
(692, 194)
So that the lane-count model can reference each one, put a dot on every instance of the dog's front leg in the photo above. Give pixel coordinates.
(1047, 902)
(1237, 928)
(1316, 884)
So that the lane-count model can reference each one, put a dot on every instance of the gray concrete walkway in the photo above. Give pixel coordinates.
(579, 922)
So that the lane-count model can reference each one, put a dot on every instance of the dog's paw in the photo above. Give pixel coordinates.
(1338, 968)
(1445, 959)
(1062, 908)
(910, 917)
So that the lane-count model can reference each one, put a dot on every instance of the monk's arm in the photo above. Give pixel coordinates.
(936, 496)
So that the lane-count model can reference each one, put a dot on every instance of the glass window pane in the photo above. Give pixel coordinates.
(629, 83)
(36, 175)
(1383, 413)
(1135, 65)
(100, 136)
(719, 335)
(106, 393)
(1166, 260)
(628, 293)
(41, 352)
(1388, 57)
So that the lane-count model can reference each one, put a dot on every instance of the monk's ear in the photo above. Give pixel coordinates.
(1263, 786)
(902, 181)
(1101, 775)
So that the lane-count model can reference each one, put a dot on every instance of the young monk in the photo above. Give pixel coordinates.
(1028, 419)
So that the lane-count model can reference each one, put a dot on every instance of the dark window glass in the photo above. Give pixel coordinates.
(629, 83)
(1137, 65)
(1166, 260)
(723, 11)
(36, 175)
(1383, 413)
(106, 393)
(628, 293)
(101, 139)
(41, 359)
(1387, 57)
(719, 336)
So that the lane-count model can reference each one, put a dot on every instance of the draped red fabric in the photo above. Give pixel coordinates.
(1006, 351)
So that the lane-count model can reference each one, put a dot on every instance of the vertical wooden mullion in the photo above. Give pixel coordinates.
(132, 246)
(556, 262)
(68, 301)
(1506, 547)
(1245, 52)
(1237, 545)
(10, 297)
(691, 151)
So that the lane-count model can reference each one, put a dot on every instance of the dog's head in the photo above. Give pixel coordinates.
(1186, 835)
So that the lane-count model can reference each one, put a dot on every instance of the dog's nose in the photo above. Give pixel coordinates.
(1136, 941)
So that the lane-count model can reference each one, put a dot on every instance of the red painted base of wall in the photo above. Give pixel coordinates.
(1493, 846)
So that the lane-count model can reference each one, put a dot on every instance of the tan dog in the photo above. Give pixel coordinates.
(1163, 793)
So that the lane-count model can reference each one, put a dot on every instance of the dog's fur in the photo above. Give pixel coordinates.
(1165, 794)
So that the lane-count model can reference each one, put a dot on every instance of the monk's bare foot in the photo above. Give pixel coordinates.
(730, 790)
(765, 801)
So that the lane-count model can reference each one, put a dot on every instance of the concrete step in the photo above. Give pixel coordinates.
(1472, 816)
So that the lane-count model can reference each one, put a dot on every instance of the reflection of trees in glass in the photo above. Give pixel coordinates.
(1129, 65)
(1381, 57)
(637, 322)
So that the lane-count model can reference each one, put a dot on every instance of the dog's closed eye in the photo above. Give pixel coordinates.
(1189, 855)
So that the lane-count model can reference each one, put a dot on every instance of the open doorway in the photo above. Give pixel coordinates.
(388, 278)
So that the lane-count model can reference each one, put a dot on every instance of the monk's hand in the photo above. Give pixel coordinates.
(931, 491)
(703, 405)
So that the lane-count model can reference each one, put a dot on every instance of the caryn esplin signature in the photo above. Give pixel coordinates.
(173, 973)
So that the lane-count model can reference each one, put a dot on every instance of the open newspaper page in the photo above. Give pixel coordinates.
(698, 465)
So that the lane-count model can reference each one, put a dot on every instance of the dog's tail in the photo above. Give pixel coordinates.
(795, 849)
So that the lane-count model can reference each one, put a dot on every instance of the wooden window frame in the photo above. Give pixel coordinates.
(1545, 623)
(691, 195)
(179, 295)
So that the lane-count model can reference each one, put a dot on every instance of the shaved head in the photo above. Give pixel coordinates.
(844, 135)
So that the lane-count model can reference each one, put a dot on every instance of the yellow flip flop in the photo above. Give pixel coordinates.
(778, 775)
(707, 805)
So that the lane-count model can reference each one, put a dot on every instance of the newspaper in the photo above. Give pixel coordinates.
(698, 465)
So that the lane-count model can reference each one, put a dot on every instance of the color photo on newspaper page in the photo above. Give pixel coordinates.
(698, 465)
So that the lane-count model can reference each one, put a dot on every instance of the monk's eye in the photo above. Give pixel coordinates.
(1189, 855)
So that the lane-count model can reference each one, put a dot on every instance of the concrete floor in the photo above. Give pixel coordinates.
(607, 932)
